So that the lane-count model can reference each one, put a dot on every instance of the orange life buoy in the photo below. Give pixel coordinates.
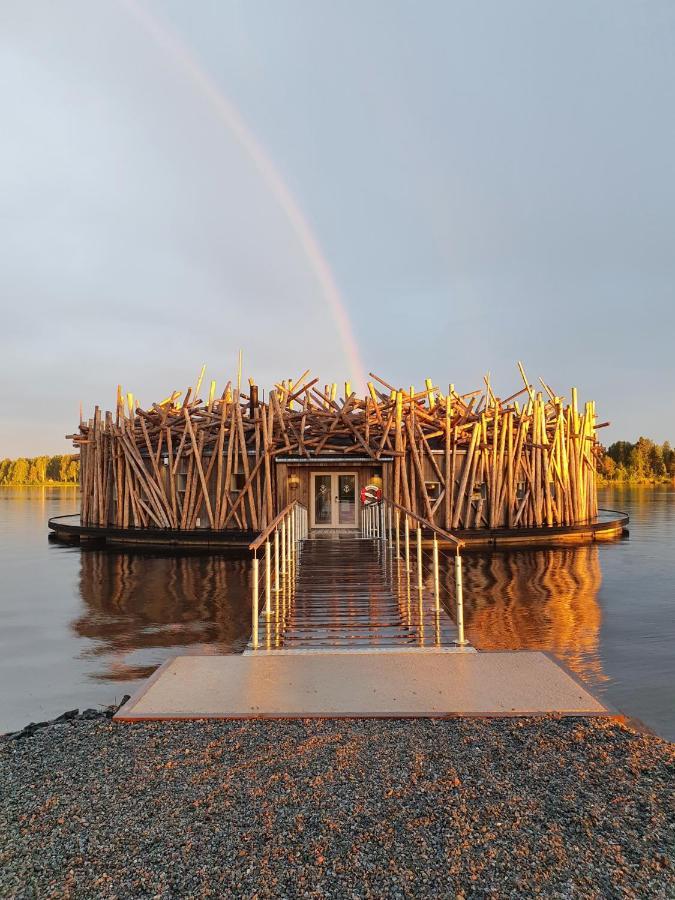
(370, 494)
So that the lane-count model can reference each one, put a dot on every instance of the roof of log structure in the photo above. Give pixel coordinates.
(306, 419)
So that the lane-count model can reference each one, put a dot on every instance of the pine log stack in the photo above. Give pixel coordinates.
(525, 461)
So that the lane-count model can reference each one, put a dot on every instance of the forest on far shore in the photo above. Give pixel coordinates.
(36, 470)
(639, 462)
(643, 461)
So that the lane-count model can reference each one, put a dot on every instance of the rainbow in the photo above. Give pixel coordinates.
(228, 114)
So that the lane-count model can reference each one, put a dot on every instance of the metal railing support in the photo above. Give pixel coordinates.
(276, 560)
(283, 547)
(459, 597)
(254, 603)
(268, 578)
(398, 534)
(419, 557)
(437, 587)
(407, 544)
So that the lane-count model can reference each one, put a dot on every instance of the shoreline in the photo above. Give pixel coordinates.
(327, 808)
(638, 482)
(66, 484)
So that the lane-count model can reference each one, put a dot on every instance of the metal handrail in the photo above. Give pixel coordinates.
(377, 524)
(427, 524)
(289, 528)
(262, 537)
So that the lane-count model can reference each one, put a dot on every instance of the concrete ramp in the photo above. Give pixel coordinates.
(397, 684)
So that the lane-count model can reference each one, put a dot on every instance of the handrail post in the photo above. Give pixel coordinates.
(276, 560)
(268, 577)
(391, 534)
(398, 534)
(459, 599)
(289, 542)
(437, 590)
(283, 546)
(407, 544)
(419, 557)
(254, 604)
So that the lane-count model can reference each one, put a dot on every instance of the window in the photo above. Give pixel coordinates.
(479, 490)
(433, 489)
(238, 482)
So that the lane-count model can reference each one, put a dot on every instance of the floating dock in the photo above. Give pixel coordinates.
(376, 684)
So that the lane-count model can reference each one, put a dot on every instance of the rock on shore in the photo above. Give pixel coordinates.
(326, 808)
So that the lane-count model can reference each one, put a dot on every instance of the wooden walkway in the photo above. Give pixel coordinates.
(350, 593)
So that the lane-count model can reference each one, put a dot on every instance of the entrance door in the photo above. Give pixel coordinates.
(333, 500)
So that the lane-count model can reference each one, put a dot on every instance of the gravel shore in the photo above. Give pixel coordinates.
(323, 808)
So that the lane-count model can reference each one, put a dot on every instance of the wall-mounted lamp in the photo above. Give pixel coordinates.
(293, 481)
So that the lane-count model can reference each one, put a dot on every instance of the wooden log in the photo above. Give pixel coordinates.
(245, 465)
(200, 470)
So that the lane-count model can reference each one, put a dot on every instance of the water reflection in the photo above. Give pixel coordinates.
(138, 606)
(539, 599)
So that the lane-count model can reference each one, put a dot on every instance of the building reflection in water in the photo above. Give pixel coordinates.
(536, 599)
(141, 608)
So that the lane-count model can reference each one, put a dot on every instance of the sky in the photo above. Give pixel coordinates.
(432, 189)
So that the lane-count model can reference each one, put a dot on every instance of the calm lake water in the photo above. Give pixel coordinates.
(83, 627)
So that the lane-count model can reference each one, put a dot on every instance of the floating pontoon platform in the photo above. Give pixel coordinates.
(412, 683)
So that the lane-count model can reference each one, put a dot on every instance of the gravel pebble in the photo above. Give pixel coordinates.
(554, 807)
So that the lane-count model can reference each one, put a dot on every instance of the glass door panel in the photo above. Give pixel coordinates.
(333, 499)
(346, 499)
(323, 505)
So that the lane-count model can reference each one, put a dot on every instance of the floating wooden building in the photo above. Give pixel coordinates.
(229, 463)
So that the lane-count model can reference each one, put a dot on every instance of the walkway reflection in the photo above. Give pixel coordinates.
(537, 599)
(139, 608)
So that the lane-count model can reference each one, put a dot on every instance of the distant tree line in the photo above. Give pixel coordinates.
(63, 469)
(641, 461)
